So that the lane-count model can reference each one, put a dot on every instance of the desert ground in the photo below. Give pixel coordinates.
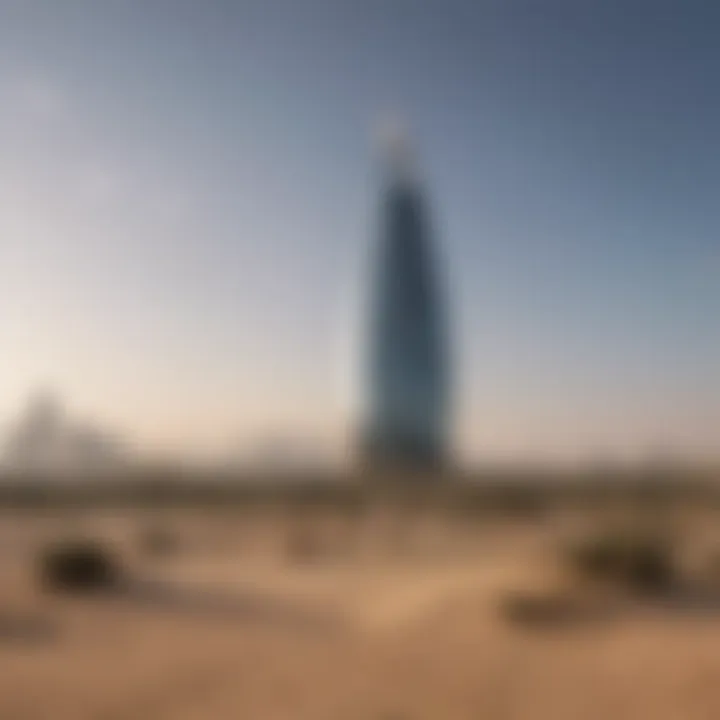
(270, 616)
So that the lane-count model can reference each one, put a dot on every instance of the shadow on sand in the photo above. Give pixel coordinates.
(690, 598)
(561, 612)
(555, 612)
(174, 597)
(23, 628)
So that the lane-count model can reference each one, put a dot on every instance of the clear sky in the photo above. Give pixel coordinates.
(188, 197)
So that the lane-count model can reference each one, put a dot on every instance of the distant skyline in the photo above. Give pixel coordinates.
(190, 192)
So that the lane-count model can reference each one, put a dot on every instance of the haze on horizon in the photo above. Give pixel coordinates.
(191, 192)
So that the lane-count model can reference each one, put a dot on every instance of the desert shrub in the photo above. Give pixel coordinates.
(521, 502)
(80, 565)
(636, 561)
(596, 557)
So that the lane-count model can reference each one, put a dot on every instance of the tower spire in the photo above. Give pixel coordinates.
(397, 152)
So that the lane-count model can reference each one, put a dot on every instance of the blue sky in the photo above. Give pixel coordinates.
(189, 195)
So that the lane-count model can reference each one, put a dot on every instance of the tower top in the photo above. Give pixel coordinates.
(397, 151)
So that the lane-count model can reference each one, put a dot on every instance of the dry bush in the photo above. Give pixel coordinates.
(79, 565)
(636, 561)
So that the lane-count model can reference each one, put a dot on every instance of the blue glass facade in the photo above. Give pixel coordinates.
(407, 422)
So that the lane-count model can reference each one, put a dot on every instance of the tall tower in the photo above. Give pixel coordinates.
(407, 413)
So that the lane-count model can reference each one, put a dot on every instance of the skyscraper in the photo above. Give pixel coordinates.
(407, 414)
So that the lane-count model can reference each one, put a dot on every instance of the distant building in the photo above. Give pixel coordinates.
(289, 453)
(92, 448)
(34, 442)
(407, 414)
(45, 440)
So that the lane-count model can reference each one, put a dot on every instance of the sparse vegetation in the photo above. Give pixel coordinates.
(508, 591)
(637, 561)
(79, 565)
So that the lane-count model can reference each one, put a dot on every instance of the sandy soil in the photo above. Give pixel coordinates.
(230, 628)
